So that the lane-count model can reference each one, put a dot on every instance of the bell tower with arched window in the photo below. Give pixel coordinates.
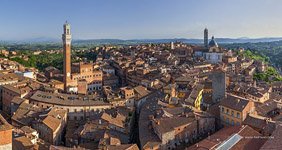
(67, 54)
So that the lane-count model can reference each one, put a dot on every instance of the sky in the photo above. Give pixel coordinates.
(140, 19)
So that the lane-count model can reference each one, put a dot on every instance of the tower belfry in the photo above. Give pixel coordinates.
(66, 37)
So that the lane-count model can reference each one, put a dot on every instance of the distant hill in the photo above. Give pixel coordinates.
(138, 41)
(192, 41)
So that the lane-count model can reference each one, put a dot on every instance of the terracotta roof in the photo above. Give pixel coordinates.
(215, 139)
(52, 123)
(123, 147)
(4, 125)
(234, 102)
(141, 90)
(277, 84)
(247, 138)
(274, 143)
(54, 112)
(150, 144)
(175, 110)
(266, 107)
(27, 129)
(169, 124)
(251, 139)
(66, 99)
(26, 113)
(55, 118)
(261, 123)
(119, 120)
(10, 77)
(18, 100)
(22, 142)
(146, 134)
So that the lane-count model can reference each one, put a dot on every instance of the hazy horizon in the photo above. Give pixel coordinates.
(84, 39)
(147, 19)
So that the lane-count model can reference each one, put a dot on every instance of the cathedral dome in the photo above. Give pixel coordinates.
(213, 43)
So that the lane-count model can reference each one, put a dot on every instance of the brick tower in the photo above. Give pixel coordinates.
(67, 54)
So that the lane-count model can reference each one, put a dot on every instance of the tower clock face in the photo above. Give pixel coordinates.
(68, 74)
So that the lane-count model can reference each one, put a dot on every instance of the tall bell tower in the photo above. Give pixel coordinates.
(66, 36)
(206, 37)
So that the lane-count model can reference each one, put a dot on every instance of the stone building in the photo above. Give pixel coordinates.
(19, 89)
(215, 54)
(51, 128)
(77, 107)
(218, 78)
(74, 73)
(234, 110)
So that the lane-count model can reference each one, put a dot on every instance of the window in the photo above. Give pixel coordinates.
(222, 109)
(232, 122)
(227, 111)
(238, 115)
(232, 113)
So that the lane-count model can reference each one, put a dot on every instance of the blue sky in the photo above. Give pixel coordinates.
(139, 19)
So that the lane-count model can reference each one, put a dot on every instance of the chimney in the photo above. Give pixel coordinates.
(158, 122)
(267, 120)
(151, 117)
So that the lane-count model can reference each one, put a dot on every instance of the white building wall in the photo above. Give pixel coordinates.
(213, 57)
(6, 146)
